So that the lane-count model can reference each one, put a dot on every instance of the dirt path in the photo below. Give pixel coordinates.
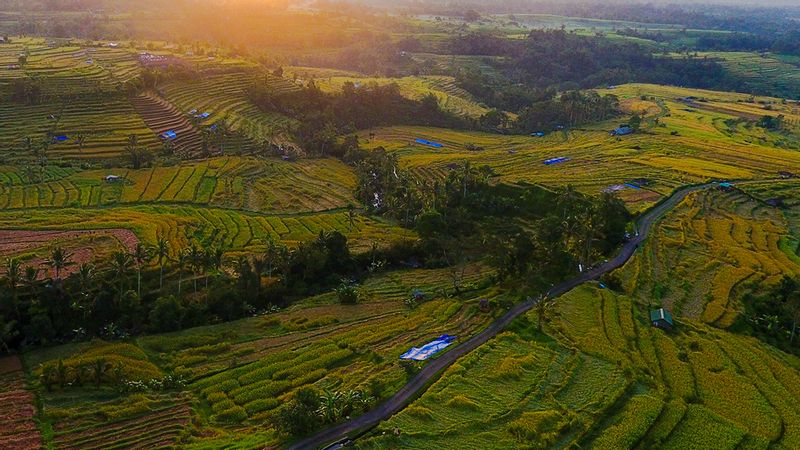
(330, 437)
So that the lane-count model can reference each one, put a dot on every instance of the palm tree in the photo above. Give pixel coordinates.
(161, 253)
(59, 260)
(259, 266)
(215, 261)
(121, 263)
(85, 276)
(195, 262)
(13, 277)
(183, 257)
(31, 278)
(140, 255)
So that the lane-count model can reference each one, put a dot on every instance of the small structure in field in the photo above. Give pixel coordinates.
(551, 161)
(428, 143)
(171, 134)
(661, 318)
(726, 186)
(786, 175)
(113, 178)
(537, 134)
(622, 130)
(429, 349)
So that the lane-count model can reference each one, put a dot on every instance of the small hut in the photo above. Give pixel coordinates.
(661, 318)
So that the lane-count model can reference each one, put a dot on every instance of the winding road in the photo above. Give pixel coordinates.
(331, 437)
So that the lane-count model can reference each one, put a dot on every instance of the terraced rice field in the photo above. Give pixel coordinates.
(161, 117)
(224, 96)
(235, 230)
(451, 97)
(232, 182)
(767, 71)
(18, 428)
(240, 372)
(133, 422)
(688, 146)
(33, 248)
(726, 243)
(604, 378)
(106, 124)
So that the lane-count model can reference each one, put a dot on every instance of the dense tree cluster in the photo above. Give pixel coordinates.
(153, 290)
(564, 60)
(774, 314)
(465, 217)
(325, 116)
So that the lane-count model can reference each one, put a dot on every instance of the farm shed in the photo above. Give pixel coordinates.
(726, 186)
(169, 134)
(538, 134)
(661, 318)
(113, 178)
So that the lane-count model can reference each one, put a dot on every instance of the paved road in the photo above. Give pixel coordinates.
(353, 428)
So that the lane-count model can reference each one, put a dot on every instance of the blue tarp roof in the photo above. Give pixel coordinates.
(428, 143)
(429, 349)
(632, 185)
(205, 115)
(169, 135)
(552, 161)
(621, 131)
(538, 134)
(60, 138)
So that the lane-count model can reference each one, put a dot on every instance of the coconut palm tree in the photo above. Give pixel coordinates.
(31, 278)
(13, 277)
(183, 258)
(121, 264)
(162, 254)
(59, 260)
(140, 255)
(259, 267)
(195, 262)
(215, 257)
(85, 276)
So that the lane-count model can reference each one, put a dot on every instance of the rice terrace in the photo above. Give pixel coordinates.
(280, 224)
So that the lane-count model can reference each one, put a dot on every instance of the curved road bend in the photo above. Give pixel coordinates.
(417, 384)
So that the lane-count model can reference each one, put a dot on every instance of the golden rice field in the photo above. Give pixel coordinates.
(712, 249)
(602, 377)
(251, 184)
(687, 146)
